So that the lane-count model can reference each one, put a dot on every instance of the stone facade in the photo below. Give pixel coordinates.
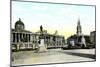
(23, 39)
(93, 36)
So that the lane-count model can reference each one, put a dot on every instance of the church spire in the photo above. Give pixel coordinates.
(78, 21)
(79, 31)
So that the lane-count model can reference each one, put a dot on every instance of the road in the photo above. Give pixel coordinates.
(53, 56)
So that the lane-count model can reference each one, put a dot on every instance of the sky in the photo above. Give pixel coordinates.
(54, 17)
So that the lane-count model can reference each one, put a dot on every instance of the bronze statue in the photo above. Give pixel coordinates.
(41, 28)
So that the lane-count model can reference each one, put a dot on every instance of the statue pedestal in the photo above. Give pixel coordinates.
(42, 47)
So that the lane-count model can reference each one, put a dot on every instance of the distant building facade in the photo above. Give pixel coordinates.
(79, 39)
(93, 37)
(24, 39)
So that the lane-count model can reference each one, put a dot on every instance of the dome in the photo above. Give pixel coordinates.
(19, 25)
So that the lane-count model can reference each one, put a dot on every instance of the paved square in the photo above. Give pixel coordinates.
(53, 56)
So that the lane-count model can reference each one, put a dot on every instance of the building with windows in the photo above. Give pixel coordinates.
(24, 39)
(93, 37)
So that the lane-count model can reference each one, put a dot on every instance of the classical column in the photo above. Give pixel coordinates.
(51, 41)
(11, 37)
(19, 40)
(55, 42)
(15, 37)
(19, 37)
(24, 36)
(33, 45)
(22, 39)
(29, 37)
(28, 40)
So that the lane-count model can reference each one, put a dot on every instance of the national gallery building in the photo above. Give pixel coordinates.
(23, 39)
